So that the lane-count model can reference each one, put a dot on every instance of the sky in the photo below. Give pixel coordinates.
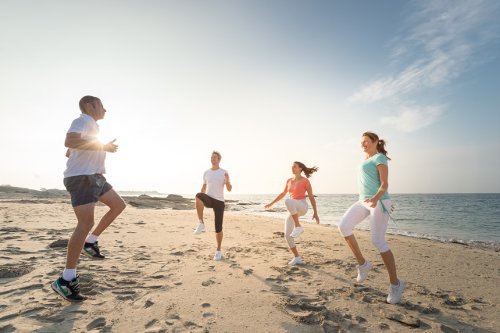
(266, 83)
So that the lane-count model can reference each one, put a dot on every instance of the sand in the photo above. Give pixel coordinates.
(159, 277)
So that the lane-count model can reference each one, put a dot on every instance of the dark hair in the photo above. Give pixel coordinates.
(307, 171)
(86, 100)
(380, 145)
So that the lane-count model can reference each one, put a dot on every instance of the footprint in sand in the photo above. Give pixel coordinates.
(11, 271)
(7, 328)
(151, 323)
(207, 282)
(59, 243)
(97, 324)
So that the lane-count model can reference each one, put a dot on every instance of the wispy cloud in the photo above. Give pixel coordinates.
(411, 119)
(443, 41)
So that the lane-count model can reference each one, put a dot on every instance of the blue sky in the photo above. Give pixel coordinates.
(264, 82)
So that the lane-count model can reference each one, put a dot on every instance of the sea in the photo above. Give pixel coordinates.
(469, 218)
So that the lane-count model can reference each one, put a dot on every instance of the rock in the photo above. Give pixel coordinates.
(175, 197)
(148, 303)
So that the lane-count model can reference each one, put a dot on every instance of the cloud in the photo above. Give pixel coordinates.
(443, 40)
(413, 118)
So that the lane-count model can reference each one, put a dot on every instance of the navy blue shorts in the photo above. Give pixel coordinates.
(86, 189)
(218, 207)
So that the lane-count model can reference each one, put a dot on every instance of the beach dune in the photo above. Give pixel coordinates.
(159, 277)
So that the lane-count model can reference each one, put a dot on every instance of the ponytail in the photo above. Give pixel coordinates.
(307, 171)
(380, 143)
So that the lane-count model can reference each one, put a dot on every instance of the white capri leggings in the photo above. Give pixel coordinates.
(378, 221)
(294, 207)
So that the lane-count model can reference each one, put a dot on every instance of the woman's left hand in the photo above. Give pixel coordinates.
(316, 217)
(372, 202)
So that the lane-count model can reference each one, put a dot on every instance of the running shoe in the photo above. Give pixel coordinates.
(363, 271)
(297, 231)
(92, 250)
(395, 292)
(218, 255)
(199, 229)
(69, 290)
(296, 261)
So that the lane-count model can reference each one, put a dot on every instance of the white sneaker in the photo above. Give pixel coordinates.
(297, 231)
(395, 293)
(199, 229)
(218, 255)
(363, 271)
(296, 261)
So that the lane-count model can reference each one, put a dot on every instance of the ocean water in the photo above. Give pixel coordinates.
(464, 218)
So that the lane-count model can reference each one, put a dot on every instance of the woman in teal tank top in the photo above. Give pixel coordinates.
(375, 203)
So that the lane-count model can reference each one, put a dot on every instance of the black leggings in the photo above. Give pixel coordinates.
(218, 207)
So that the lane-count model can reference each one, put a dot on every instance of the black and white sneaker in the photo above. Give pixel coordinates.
(69, 290)
(92, 250)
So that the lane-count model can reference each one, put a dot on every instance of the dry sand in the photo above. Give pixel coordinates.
(159, 277)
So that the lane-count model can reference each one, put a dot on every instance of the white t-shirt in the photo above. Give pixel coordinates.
(85, 162)
(215, 183)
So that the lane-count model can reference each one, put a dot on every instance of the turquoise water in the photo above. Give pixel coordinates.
(467, 218)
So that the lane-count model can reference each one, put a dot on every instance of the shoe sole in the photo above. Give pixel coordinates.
(63, 296)
(92, 256)
(298, 263)
(297, 235)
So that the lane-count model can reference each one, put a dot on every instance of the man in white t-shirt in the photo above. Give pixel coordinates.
(212, 196)
(84, 180)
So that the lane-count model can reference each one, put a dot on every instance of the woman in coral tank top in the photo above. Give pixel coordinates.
(296, 187)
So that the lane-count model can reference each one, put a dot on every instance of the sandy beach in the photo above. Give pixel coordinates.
(159, 277)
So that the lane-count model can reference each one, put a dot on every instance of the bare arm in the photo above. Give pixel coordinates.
(278, 198)
(75, 141)
(227, 182)
(203, 188)
(383, 171)
(313, 202)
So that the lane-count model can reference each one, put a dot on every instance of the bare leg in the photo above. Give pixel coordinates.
(390, 264)
(199, 209)
(218, 237)
(85, 217)
(353, 245)
(116, 206)
(294, 251)
(296, 220)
